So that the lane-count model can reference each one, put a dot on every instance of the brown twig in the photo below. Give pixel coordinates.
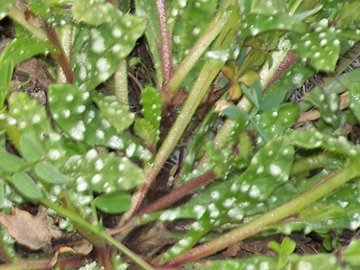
(61, 56)
(179, 193)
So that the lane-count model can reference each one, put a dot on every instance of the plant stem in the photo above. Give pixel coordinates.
(62, 59)
(165, 45)
(97, 232)
(17, 15)
(317, 191)
(310, 163)
(121, 83)
(207, 75)
(210, 33)
(179, 193)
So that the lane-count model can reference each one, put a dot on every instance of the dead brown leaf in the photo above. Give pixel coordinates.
(34, 232)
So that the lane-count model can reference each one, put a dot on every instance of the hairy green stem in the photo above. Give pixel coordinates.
(121, 83)
(210, 33)
(18, 16)
(312, 162)
(96, 232)
(317, 191)
(207, 75)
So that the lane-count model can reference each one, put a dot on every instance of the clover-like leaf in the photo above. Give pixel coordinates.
(50, 174)
(26, 186)
(10, 163)
(113, 203)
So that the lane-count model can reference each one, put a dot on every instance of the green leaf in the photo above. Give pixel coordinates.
(103, 172)
(26, 186)
(95, 12)
(321, 47)
(256, 24)
(312, 138)
(31, 148)
(246, 195)
(6, 71)
(113, 203)
(354, 90)
(25, 47)
(146, 131)
(327, 103)
(152, 32)
(352, 252)
(318, 261)
(276, 121)
(9, 162)
(101, 51)
(83, 122)
(115, 112)
(5, 7)
(151, 106)
(50, 174)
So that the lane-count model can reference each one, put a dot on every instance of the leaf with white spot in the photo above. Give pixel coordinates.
(327, 103)
(83, 122)
(146, 131)
(151, 105)
(320, 261)
(354, 90)
(100, 52)
(94, 12)
(269, 169)
(312, 139)
(321, 47)
(276, 121)
(30, 148)
(337, 211)
(25, 47)
(115, 112)
(103, 172)
(256, 24)
(188, 20)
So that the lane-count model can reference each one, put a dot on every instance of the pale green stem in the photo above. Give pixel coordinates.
(97, 232)
(66, 42)
(202, 84)
(295, 7)
(18, 16)
(121, 82)
(317, 191)
(210, 33)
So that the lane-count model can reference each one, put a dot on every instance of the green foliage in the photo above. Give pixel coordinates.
(86, 151)
(5, 7)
